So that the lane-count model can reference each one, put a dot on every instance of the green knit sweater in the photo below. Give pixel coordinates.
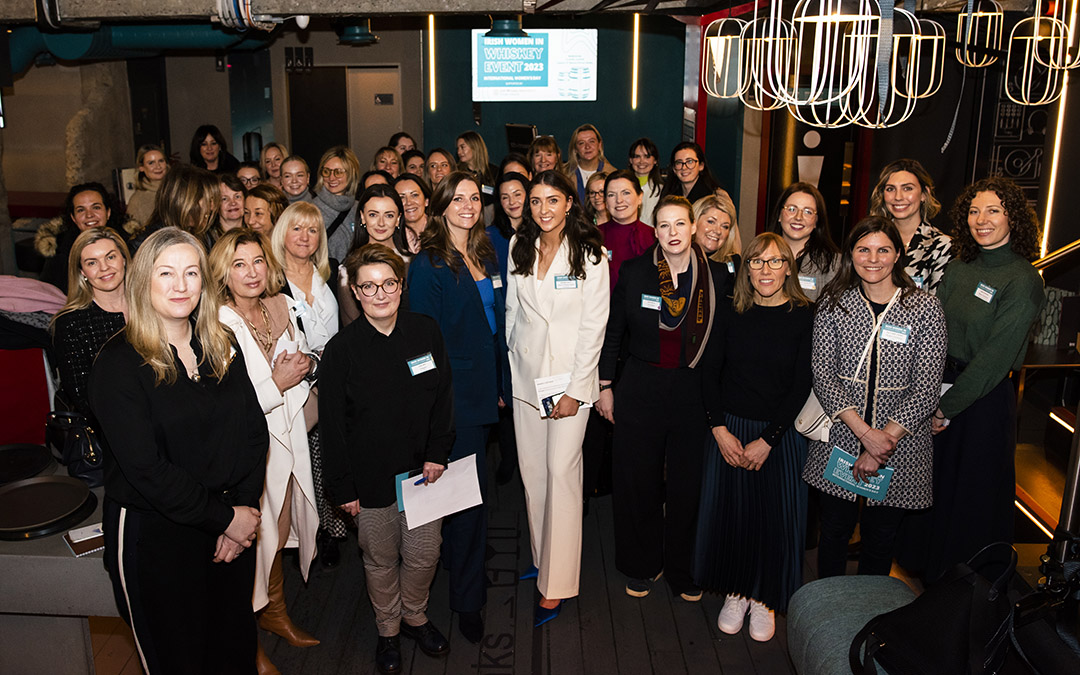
(991, 336)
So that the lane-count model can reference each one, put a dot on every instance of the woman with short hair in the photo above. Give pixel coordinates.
(387, 159)
(338, 177)
(718, 230)
(386, 408)
(544, 155)
(263, 205)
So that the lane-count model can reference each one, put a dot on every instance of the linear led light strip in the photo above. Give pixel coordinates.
(431, 57)
(634, 76)
(1057, 149)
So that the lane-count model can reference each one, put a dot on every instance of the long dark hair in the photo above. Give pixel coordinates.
(435, 239)
(115, 219)
(586, 242)
(1023, 224)
(501, 220)
(361, 236)
(646, 144)
(847, 278)
(819, 247)
(673, 186)
(196, 143)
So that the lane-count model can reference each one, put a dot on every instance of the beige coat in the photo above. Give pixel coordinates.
(288, 458)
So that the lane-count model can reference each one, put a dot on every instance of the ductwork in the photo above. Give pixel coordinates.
(123, 42)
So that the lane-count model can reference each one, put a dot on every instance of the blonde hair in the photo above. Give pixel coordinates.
(303, 214)
(721, 203)
(145, 330)
(143, 182)
(352, 168)
(184, 193)
(387, 150)
(480, 158)
(223, 254)
(80, 292)
(571, 150)
(743, 298)
(262, 156)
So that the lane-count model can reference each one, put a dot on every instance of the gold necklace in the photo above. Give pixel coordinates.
(267, 343)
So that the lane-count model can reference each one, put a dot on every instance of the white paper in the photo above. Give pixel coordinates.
(285, 346)
(553, 386)
(456, 490)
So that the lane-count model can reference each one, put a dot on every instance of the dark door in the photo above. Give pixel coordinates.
(149, 103)
(318, 113)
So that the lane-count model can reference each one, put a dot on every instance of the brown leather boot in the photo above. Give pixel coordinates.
(263, 664)
(275, 618)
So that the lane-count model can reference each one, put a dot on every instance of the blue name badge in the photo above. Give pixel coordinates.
(421, 364)
(650, 301)
(920, 281)
(838, 472)
(894, 333)
(985, 292)
(808, 283)
(730, 267)
(565, 282)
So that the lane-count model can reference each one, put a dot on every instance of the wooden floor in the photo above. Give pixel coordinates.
(603, 631)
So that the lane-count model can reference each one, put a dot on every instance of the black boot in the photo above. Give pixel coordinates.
(329, 554)
(388, 654)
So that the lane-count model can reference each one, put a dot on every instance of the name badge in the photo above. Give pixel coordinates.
(984, 292)
(730, 267)
(920, 281)
(607, 252)
(650, 301)
(565, 282)
(496, 281)
(421, 364)
(488, 190)
(300, 308)
(894, 333)
(808, 283)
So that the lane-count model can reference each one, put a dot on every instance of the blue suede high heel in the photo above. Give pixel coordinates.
(542, 614)
(530, 573)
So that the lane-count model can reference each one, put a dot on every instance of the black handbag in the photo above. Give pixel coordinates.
(81, 448)
(960, 625)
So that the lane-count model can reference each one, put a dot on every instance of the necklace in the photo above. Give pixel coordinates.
(265, 341)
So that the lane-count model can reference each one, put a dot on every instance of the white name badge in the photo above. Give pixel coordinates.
(565, 282)
(984, 292)
(496, 281)
(650, 301)
(488, 190)
(894, 333)
(808, 283)
(731, 267)
(421, 364)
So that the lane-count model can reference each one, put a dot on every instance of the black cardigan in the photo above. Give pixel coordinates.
(377, 419)
(187, 450)
(639, 277)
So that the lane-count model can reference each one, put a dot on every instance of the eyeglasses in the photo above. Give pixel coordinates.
(370, 288)
(595, 193)
(336, 173)
(685, 163)
(792, 210)
(250, 182)
(758, 263)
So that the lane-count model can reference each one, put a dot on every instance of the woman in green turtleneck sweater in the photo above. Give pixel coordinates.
(991, 294)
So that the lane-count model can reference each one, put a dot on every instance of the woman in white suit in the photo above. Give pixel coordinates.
(556, 313)
(249, 281)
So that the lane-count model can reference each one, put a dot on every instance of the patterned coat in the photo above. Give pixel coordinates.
(928, 252)
(907, 387)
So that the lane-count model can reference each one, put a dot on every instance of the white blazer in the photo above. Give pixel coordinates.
(550, 331)
(288, 456)
(321, 317)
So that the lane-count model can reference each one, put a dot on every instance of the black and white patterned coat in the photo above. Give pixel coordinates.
(907, 387)
(928, 253)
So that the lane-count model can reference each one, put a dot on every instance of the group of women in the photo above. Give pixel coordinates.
(381, 325)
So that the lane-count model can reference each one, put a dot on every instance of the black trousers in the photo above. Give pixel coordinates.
(656, 471)
(464, 545)
(877, 528)
(188, 613)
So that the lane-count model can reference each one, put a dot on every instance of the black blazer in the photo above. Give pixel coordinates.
(638, 328)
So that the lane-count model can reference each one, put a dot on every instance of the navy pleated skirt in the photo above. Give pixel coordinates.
(752, 524)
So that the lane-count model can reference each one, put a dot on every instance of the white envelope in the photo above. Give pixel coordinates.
(456, 490)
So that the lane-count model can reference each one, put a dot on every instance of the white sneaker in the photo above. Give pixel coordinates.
(732, 615)
(762, 622)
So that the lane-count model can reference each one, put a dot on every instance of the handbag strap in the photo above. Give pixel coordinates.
(873, 334)
(863, 665)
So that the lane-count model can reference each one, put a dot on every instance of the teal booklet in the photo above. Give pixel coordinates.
(838, 471)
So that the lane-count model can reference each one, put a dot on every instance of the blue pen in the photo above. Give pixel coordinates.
(423, 479)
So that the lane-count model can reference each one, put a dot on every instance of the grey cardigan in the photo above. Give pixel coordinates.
(907, 387)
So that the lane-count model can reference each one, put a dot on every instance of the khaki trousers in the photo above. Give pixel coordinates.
(399, 564)
(549, 456)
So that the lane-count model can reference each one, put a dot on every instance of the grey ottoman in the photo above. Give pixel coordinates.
(824, 616)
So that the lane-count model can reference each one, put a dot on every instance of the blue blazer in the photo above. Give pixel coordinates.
(478, 359)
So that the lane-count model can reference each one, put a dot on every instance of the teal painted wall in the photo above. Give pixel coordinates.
(659, 111)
